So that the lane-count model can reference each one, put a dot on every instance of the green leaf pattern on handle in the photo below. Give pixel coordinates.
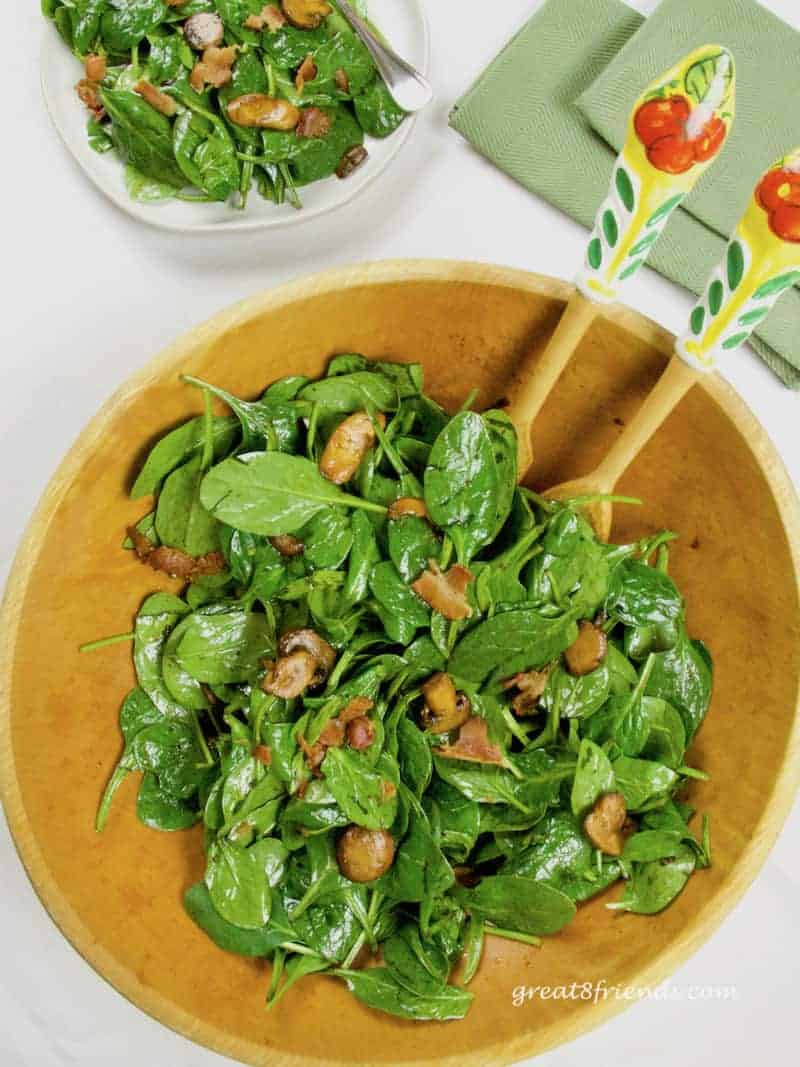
(722, 285)
(613, 221)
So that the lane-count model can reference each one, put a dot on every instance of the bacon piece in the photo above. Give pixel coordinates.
(341, 81)
(473, 744)
(214, 68)
(89, 94)
(314, 122)
(273, 17)
(95, 67)
(445, 593)
(173, 561)
(355, 708)
(263, 753)
(156, 99)
(332, 735)
(360, 733)
(530, 685)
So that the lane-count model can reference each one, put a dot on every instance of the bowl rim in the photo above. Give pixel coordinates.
(148, 213)
(167, 362)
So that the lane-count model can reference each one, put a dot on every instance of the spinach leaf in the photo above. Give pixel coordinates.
(594, 776)
(254, 943)
(511, 641)
(683, 678)
(639, 595)
(346, 393)
(367, 796)
(181, 519)
(462, 484)
(400, 610)
(377, 111)
(159, 810)
(515, 902)
(643, 782)
(654, 885)
(178, 447)
(126, 22)
(238, 882)
(228, 646)
(412, 543)
(378, 988)
(271, 493)
(142, 136)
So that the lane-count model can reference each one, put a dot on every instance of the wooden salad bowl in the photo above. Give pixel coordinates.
(710, 473)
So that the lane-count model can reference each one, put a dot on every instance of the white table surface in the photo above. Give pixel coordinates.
(90, 295)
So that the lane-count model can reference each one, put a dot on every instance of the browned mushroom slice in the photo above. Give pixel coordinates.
(307, 72)
(408, 505)
(347, 446)
(445, 593)
(203, 30)
(341, 81)
(351, 160)
(364, 855)
(530, 685)
(605, 822)
(287, 545)
(332, 735)
(588, 650)
(173, 561)
(95, 67)
(306, 14)
(474, 745)
(156, 99)
(360, 733)
(264, 112)
(445, 709)
(291, 675)
(309, 641)
(254, 22)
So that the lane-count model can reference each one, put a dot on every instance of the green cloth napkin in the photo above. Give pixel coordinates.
(552, 108)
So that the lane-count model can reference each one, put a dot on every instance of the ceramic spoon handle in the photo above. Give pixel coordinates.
(761, 262)
(675, 130)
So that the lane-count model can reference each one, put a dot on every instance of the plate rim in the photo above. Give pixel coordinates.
(139, 212)
(167, 361)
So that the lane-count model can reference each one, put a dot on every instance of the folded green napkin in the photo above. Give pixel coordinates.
(554, 105)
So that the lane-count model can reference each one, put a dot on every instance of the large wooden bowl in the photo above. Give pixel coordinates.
(710, 473)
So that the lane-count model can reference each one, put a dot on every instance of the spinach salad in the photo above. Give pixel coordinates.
(207, 99)
(410, 702)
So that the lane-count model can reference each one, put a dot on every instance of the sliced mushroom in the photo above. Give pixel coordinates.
(291, 675)
(203, 30)
(347, 446)
(364, 855)
(408, 505)
(445, 593)
(287, 545)
(173, 561)
(95, 67)
(351, 160)
(341, 81)
(264, 112)
(445, 709)
(156, 99)
(360, 733)
(308, 640)
(605, 823)
(215, 68)
(306, 72)
(588, 650)
(474, 745)
(306, 14)
(530, 686)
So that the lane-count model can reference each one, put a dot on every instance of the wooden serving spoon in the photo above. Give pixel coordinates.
(675, 130)
(762, 261)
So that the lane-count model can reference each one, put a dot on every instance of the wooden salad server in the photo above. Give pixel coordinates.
(761, 262)
(675, 130)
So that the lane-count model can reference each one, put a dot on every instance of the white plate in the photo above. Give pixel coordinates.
(401, 21)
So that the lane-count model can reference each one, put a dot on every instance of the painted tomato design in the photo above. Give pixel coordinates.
(661, 127)
(778, 193)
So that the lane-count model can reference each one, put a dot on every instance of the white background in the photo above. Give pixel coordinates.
(89, 296)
